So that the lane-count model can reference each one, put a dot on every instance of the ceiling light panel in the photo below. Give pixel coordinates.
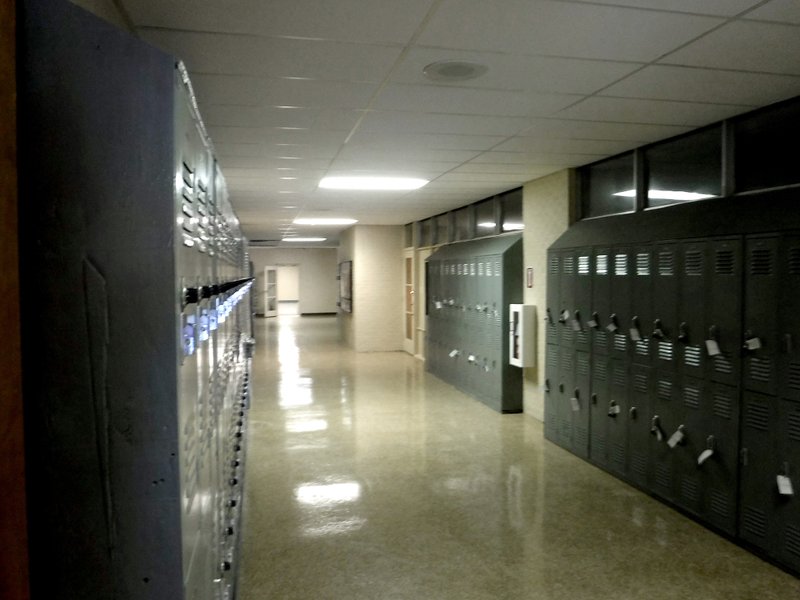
(372, 183)
(324, 221)
(401, 122)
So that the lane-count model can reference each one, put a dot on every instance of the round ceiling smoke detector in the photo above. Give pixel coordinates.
(453, 70)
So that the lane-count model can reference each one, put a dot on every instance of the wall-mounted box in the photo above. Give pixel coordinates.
(521, 335)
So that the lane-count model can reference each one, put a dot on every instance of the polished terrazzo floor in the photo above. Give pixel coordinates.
(367, 478)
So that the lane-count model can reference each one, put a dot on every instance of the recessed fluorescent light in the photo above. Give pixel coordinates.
(667, 195)
(486, 225)
(325, 221)
(513, 226)
(288, 178)
(304, 239)
(372, 183)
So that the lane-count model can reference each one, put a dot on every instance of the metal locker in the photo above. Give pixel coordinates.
(789, 319)
(566, 387)
(600, 409)
(551, 394)
(692, 414)
(639, 425)
(597, 319)
(789, 505)
(618, 322)
(759, 341)
(666, 426)
(581, 308)
(580, 404)
(619, 416)
(553, 297)
(723, 316)
(639, 327)
(691, 331)
(664, 328)
(720, 471)
(567, 299)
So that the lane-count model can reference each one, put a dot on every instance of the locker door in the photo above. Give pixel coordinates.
(566, 387)
(639, 426)
(580, 403)
(761, 314)
(664, 328)
(619, 416)
(665, 420)
(601, 300)
(721, 470)
(551, 394)
(724, 305)
(567, 299)
(553, 295)
(789, 506)
(581, 314)
(789, 319)
(600, 409)
(620, 306)
(691, 333)
(689, 478)
(639, 327)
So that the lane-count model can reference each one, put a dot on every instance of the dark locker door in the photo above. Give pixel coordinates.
(664, 328)
(789, 506)
(639, 326)
(689, 477)
(600, 408)
(691, 334)
(761, 314)
(553, 289)
(551, 394)
(639, 425)
(597, 320)
(580, 403)
(724, 306)
(666, 419)
(567, 299)
(789, 319)
(620, 306)
(581, 313)
(758, 497)
(566, 386)
(619, 416)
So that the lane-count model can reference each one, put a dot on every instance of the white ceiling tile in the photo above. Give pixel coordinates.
(413, 142)
(781, 11)
(726, 8)
(598, 130)
(234, 150)
(705, 85)
(689, 114)
(544, 145)
(745, 46)
(530, 158)
(562, 29)
(402, 122)
(399, 155)
(523, 172)
(390, 166)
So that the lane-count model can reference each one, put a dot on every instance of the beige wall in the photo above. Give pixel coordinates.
(107, 10)
(376, 323)
(547, 212)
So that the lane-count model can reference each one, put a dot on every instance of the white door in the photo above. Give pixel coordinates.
(408, 292)
(270, 291)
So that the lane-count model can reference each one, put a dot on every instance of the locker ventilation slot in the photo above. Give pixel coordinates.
(553, 265)
(583, 364)
(694, 262)
(761, 261)
(584, 266)
(582, 437)
(600, 371)
(639, 464)
(722, 364)
(552, 360)
(569, 265)
(663, 476)
(643, 264)
(761, 369)
(794, 261)
(665, 351)
(621, 264)
(664, 390)
(643, 347)
(792, 537)
(567, 334)
(566, 363)
(640, 383)
(600, 338)
(793, 427)
(720, 505)
(666, 263)
(621, 377)
(598, 446)
(691, 356)
(723, 406)
(618, 455)
(552, 334)
(620, 342)
(757, 417)
(690, 489)
(601, 264)
(691, 397)
(754, 521)
(724, 263)
(794, 376)
(582, 337)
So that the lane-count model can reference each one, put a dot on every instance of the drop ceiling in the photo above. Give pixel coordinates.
(294, 90)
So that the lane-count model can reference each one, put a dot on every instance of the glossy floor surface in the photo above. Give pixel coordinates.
(367, 478)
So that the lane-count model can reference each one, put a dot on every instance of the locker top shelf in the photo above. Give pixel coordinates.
(479, 247)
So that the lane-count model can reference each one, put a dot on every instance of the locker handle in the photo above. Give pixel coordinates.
(561, 388)
(658, 331)
(744, 456)
(577, 393)
(632, 412)
(191, 295)
(683, 332)
(548, 317)
(594, 398)
(713, 333)
(787, 343)
(547, 385)
(563, 316)
(595, 322)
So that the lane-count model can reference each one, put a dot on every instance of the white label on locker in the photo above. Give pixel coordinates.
(576, 325)
(704, 456)
(576, 406)
(612, 327)
(675, 439)
(438, 305)
(614, 410)
(785, 486)
(753, 344)
(636, 336)
(471, 358)
(592, 323)
(713, 348)
(453, 353)
(565, 315)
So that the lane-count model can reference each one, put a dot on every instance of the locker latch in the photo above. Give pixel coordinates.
(576, 321)
(594, 322)
(658, 330)
(712, 343)
(633, 412)
(636, 333)
(678, 437)
(547, 385)
(575, 400)
(787, 343)
(548, 317)
(751, 341)
(612, 323)
(708, 452)
(785, 487)
(655, 428)
(683, 333)
(594, 399)
(563, 317)
(613, 409)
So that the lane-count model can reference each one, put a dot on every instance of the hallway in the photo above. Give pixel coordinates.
(367, 478)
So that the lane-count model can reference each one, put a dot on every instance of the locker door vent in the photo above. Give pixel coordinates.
(582, 437)
(761, 369)
(553, 264)
(793, 427)
(663, 476)
(566, 429)
(600, 371)
(792, 539)
(566, 363)
(722, 364)
(754, 521)
(584, 266)
(724, 263)
(600, 338)
(664, 390)
(552, 360)
(693, 262)
(569, 265)
(640, 382)
(720, 505)
(639, 463)
(794, 376)
(761, 260)
(643, 347)
(552, 334)
(666, 263)
(665, 351)
(692, 356)
(690, 489)
(620, 342)
(621, 264)
(582, 337)
(618, 455)
(691, 397)
(583, 365)
(567, 334)
(621, 377)
(757, 416)
(598, 445)
(723, 406)
(601, 264)
(643, 264)
(794, 261)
